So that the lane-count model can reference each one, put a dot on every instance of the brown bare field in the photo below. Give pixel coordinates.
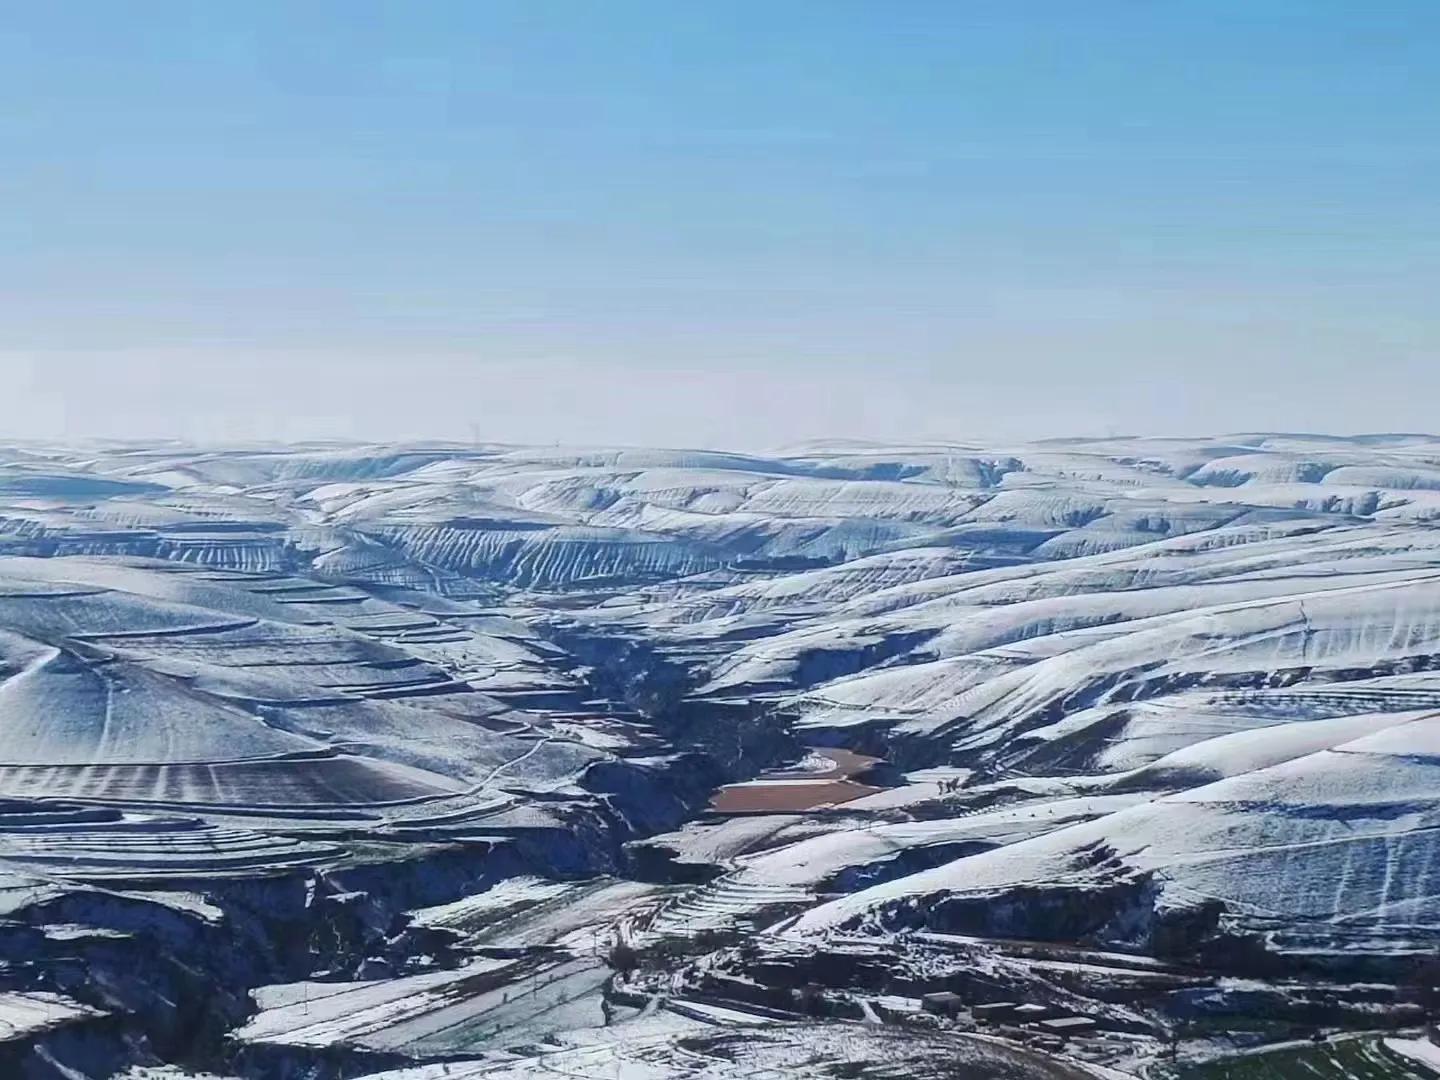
(847, 764)
(762, 798)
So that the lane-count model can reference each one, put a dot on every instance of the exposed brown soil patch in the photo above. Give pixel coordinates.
(847, 763)
(778, 798)
(792, 790)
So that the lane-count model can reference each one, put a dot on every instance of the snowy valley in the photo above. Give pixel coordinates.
(1072, 758)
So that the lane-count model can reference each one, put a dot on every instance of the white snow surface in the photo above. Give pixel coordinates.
(1201, 667)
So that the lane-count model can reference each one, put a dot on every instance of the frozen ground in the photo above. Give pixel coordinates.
(437, 760)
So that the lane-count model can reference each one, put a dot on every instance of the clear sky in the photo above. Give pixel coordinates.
(733, 223)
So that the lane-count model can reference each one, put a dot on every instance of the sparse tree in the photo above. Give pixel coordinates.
(622, 958)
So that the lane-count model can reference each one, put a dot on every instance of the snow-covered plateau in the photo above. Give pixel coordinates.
(1072, 758)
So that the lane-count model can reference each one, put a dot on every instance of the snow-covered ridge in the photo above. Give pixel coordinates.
(398, 750)
(547, 517)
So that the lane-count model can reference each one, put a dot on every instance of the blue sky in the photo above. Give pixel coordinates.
(727, 224)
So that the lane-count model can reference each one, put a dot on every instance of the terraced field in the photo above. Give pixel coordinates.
(1043, 759)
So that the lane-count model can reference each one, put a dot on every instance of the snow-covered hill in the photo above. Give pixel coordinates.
(1168, 699)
